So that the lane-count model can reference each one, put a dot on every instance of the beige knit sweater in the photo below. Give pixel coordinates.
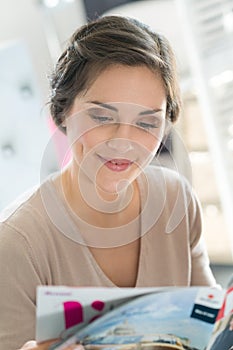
(40, 244)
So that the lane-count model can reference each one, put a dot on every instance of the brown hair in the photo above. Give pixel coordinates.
(109, 41)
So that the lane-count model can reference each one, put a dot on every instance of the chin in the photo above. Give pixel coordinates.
(113, 188)
(109, 188)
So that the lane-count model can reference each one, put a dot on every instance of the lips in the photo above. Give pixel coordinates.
(117, 164)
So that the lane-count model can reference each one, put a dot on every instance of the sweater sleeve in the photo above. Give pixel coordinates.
(201, 273)
(18, 280)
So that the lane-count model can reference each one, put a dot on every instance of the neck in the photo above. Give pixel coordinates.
(96, 206)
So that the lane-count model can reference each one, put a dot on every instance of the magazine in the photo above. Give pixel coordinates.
(178, 318)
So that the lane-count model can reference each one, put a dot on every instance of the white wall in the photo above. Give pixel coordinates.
(31, 38)
(24, 19)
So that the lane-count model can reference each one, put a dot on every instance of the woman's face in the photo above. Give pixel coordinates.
(116, 128)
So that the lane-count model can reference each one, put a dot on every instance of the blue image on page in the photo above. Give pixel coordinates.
(155, 318)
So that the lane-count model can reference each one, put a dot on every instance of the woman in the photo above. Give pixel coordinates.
(107, 219)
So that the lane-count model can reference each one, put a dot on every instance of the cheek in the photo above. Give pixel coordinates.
(79, 148)
(94, 139)
(77, 151)
(150, 143)
(85, 144)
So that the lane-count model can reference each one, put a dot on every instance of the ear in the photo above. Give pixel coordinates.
(62, 127)
(167, 129)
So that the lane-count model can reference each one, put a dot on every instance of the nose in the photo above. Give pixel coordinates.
(120, 145)
(122, 138)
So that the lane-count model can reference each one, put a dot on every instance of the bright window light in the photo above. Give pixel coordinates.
(230, 145)
(228, 21)
(51, 3)
(230, 130)
(211, 210)
(221, 79)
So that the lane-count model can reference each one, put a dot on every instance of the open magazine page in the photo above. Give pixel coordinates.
(179, 319)
(61, 308)
(222, 336)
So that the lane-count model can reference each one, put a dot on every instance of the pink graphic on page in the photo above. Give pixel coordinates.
(227, 304)
(73, 312)
(99, 306)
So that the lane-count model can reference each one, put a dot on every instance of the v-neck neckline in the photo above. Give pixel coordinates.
(141, 188)
(103, 274)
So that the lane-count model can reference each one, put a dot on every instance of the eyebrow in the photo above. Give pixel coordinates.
(151, 111)
(106, 105)
(112, 108)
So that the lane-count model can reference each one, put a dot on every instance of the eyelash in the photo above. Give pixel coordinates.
(101, 119)
(110, 120)
(147, 126)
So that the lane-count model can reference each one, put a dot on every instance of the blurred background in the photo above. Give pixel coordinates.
(32, 36)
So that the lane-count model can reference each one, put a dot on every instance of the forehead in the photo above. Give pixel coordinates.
(118, 83)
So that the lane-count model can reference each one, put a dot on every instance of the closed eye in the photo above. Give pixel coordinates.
(149, 123)
(101, 115)
(101, 119)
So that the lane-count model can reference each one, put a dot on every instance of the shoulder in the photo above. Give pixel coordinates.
(29, 201)
(26, 215)
(171, 180)
(15, 228)
(180, 202)
(26, 233)
(16, 225)
(170, 175)
(18, 205)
